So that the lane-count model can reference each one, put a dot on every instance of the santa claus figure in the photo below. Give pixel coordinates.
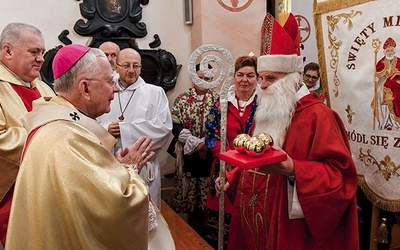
(307, 201)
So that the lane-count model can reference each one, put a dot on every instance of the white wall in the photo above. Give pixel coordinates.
(304, 8)
(236, 31)
(162, 17)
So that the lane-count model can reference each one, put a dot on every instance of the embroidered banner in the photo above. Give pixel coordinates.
(360, 71)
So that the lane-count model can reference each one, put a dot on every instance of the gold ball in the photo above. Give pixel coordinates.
(239, 141)
(267, 139)
(254, 146)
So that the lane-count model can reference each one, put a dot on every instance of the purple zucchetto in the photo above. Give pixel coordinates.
(66, 57)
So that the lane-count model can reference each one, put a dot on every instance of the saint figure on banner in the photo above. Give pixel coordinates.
(388, 92)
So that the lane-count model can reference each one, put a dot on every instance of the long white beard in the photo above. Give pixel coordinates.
(276, 106)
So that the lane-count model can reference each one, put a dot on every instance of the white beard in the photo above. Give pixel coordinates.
(389, 57)
(276, 106)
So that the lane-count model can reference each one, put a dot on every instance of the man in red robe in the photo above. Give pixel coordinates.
(307, 201)
(21, 57)
(387, 108)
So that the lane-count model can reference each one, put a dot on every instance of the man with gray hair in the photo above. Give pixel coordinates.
(78, 195)
(21, 57)
(307, 201)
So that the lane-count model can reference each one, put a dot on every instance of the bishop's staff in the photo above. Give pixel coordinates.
(376, 44)
(226, 78)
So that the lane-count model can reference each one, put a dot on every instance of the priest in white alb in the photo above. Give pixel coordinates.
(139, 109)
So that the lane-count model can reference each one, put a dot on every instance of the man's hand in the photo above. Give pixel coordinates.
(218, 186)
(140, 153)
(285, 167)
(113, 129)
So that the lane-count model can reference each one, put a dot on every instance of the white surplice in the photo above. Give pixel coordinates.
(146, 114)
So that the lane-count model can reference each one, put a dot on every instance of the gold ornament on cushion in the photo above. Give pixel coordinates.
(267, 139)
(254, 146)
(239, 141)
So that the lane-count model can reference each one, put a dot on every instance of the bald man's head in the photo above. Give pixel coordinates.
(111, 50)
(129, 65)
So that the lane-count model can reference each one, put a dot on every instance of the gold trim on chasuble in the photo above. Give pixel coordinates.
(266, 39)
(253, 220)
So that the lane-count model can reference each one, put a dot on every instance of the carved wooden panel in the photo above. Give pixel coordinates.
(119, 21)
(111, 18)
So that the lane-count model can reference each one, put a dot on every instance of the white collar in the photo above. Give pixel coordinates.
(232, 96)
(139, 82)
(303, 91)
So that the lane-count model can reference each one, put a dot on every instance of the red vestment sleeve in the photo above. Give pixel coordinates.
(326, 177)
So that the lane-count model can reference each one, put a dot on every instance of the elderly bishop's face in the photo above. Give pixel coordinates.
(103, 89)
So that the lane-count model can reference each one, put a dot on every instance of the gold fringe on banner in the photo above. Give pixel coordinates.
(377, 200)
(381, 235)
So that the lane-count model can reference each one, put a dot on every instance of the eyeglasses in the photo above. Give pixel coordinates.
(127, 66)
(112, 83)
(314, 78)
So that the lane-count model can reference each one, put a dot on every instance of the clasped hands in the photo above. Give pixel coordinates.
(285, 168)
(139, 154)
(113, 129)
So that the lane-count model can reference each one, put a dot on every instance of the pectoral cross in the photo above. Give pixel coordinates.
(121, 117)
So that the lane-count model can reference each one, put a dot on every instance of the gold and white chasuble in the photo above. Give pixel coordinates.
(71, 192)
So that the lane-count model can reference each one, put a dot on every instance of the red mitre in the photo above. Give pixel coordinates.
(389, 43)
(280, 45)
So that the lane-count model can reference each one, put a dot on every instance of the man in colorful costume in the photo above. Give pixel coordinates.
(21, 57)
(307, 201)
(193, 158)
